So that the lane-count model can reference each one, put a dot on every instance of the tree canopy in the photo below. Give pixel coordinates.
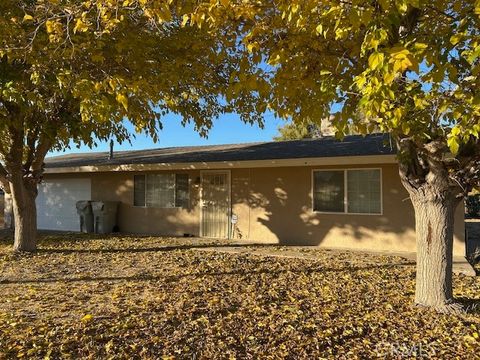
(94, 63)
(409, 68)
(406, 67)
(76, 70)
(304, 130)
(295, 131)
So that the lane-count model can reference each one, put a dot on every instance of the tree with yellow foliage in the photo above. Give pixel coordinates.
(409, 67)
(70, 69)
(77, 70)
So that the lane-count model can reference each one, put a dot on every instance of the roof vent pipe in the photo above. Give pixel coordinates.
(110, 155)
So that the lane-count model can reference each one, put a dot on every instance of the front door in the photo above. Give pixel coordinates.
(215, 204)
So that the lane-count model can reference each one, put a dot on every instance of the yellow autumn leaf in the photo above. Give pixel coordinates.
(398, 113)
(122, 99)
(80, 26)
(470, 339)
(453, 145)
(401, 65)
(27, 17)
(273, 60)
(455, 39)
(252, 46)
(374, 43)
(389, 77)
(50, 26)
(185, 19)
(402, 59)
(87, 318)
(402, 6)
(399, 52)
(420, 46)
(375, 60)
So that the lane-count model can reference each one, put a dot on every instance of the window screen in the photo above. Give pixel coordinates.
(160, 190)
(329, 191)
(139, 190)
(360, 190)
(364, 191)
(181, 190)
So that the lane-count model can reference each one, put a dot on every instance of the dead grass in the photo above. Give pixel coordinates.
(147, 298)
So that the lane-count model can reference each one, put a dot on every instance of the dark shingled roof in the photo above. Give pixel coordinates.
(354, 145)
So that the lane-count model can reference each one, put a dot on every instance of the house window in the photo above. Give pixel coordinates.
(329, 191)
(181, 190)
(139, 190)
(363, 194)
(347, 191)
(161, 190)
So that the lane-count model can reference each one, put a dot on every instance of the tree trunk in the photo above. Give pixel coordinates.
(24, 193)
(434, 220)
(435, 198)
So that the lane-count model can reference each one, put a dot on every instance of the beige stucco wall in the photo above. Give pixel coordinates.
(132, 219)
(274, 205)
(118, 186)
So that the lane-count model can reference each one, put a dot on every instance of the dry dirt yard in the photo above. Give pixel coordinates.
(162, 298)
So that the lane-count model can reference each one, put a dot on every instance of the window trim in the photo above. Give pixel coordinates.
(174, 192)
(345, 196)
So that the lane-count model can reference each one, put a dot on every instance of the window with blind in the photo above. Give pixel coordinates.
(363, 194)
(161, 190)
(347, 191)
(329, 191)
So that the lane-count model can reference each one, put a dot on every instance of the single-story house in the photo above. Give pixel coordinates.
(303, 192)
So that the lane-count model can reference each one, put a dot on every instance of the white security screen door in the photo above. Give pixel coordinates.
(215, 212)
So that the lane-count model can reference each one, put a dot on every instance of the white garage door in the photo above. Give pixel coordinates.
(56, 203)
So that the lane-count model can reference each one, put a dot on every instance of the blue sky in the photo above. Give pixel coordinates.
(226, 130)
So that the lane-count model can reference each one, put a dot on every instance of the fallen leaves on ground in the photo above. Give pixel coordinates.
(128, 297)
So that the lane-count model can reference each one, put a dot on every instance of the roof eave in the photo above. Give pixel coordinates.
(318, 161)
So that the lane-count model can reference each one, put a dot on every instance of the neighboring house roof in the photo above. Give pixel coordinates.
(354, 145)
